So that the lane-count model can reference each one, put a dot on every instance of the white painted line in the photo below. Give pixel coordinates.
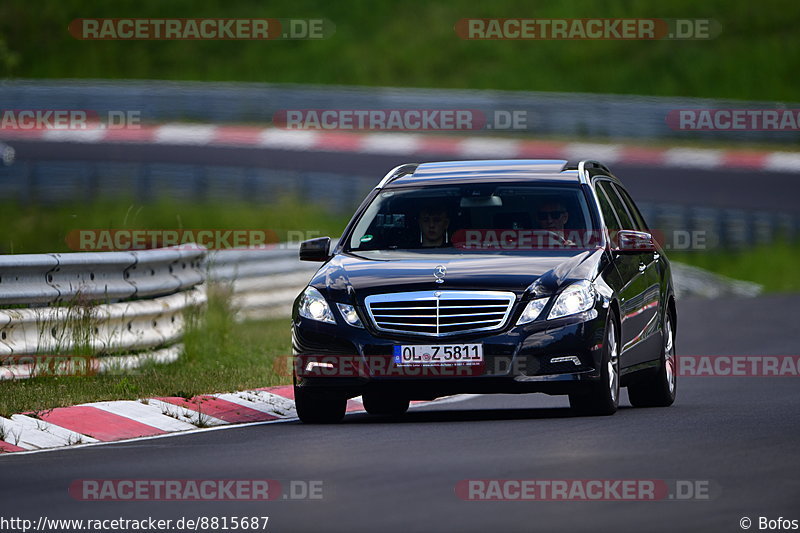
(263, 401)
(184, 134)
(783, 162)
(144, 413)
(66, 434)
(149, 437)
(83, 136)
(30, 438)
(448, 399)
(693, 158)
(30, 433)
(289, 139)
(489, 147)
(186, 415)
(608, 154)
(391, 143)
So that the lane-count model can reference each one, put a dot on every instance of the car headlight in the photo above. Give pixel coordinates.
(314, 306)
(349, 314)
(532, 311)
(576, 298)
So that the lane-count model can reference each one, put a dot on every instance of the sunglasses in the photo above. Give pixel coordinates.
(552, 215)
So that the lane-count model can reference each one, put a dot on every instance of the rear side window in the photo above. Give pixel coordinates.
(638, 219)
(608, 212)
(616, 203)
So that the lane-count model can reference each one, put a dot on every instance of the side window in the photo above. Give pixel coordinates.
(608, 212)
(619, 208)
(638, 219)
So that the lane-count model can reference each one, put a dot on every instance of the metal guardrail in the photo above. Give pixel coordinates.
(718, 227)
(91, 277)
(564, 114)
(126, 306)
(263, 283)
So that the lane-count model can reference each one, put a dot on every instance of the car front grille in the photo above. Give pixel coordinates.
(439, 313)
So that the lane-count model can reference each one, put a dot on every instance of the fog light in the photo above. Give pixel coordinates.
(311, 365)
(567, 359)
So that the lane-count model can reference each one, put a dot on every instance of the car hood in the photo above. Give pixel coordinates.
(398, 271)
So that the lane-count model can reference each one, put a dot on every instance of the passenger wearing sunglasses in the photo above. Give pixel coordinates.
(552, 216)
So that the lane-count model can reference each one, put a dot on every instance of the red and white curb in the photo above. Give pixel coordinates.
(415, 144)
(111, 421)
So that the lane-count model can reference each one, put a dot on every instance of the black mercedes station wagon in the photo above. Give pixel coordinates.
(507, 276)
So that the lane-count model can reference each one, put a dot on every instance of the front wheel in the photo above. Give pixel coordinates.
(319, 406)
(659, 390)
(603, 398)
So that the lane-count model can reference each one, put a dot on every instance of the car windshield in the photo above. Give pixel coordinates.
(485, 217)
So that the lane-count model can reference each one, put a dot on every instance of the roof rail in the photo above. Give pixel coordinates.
(583, 175)
(396, 172)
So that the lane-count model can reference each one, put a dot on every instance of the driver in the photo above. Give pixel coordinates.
(433, 224)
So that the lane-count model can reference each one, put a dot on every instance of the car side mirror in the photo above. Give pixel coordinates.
(315, 249)
(629, 241)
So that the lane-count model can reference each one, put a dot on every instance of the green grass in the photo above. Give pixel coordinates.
(413, 44)
(773, 266)
(221, 356)
(44, 229)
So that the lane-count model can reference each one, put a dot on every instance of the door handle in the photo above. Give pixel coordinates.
(656, 256)
(642, 267)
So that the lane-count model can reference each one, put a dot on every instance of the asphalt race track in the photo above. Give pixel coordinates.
(738, 436)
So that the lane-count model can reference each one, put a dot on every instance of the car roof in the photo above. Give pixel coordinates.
(499, 170)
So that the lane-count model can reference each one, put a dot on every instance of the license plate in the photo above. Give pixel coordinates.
(438, 354)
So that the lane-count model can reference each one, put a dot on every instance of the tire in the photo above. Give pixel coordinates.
(603, 398)
(319, 406)
(659, 390)
(384, 404)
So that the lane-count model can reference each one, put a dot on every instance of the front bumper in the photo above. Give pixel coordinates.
(516, 360)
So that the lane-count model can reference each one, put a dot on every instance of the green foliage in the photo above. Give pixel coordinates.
(413, 44)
